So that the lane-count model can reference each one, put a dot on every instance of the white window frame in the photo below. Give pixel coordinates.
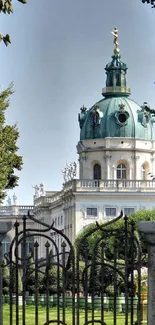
(110, 216)
(122, 169)
(92, 215)
(127, 214)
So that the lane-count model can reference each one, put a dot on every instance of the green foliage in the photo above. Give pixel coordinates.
(9, 160)
(6, 277)
(52, 279)
(13, 281)
(86, 241)
(151, 2)
(89, 248)
(72, 278)
(30, 284)
(6, 7)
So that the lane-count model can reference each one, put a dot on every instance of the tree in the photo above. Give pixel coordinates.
(89, 243)
(52, 280)
(6, 277)
(7, 8)
(30, 283)
(9, 160)
(151, 2)
(85, 244)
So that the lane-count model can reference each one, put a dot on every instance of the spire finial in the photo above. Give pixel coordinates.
(115, 34)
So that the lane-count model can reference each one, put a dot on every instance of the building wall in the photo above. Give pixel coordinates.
(109, 153)
(105, 204)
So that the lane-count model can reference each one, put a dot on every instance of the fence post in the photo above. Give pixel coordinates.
(4, 228)
(147, 228)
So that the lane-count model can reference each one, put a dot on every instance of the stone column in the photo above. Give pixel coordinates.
(4, 228)
(147, 228)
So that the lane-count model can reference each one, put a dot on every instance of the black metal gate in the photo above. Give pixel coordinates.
(97, 281)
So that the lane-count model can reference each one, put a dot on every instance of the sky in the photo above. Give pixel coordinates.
(56, 61)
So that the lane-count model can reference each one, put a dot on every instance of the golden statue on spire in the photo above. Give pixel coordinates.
(115, 34)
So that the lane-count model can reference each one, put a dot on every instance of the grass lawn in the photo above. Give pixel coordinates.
(30, 319)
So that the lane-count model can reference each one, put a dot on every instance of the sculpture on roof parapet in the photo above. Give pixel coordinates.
(69, 172)
(95, 116)
(9, 203)
(14, 199)
(146, 114)
(82, 116)
(42, 189)
(36, 190)
(39, 190)
(147, 108)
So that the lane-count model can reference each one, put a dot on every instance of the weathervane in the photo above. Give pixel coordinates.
(115, 34)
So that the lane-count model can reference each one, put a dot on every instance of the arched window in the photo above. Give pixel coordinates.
(143, 172)
(6, 244)
(97, 171)
(121, 171)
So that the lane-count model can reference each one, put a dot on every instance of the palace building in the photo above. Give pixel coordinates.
(116, 152)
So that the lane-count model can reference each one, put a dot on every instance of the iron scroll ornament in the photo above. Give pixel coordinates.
(63, 259)
(100, 271)
(67, 261)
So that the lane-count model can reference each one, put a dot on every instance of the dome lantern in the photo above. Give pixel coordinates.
(116, 115)
(116, 73)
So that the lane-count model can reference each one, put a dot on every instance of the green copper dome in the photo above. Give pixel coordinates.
(116, 115)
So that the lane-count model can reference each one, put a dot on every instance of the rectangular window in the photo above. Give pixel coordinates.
(92, 212)
(118, 174)
(110, 212)
(128, 211)
(58, 220)
(61, 219)
(5, 247)
(123, 174)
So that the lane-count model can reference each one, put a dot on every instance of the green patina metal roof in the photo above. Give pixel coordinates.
(116, 115)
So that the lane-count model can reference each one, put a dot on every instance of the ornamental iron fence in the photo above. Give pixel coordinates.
(97, 281)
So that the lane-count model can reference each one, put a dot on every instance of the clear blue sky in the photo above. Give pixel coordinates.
(56, 60)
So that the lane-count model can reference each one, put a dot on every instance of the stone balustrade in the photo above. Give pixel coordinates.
(15, 210)
(110, 186)
(76, 185)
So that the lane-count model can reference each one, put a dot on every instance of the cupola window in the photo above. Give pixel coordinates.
(97, 171)
(121, 171)
(121, 115)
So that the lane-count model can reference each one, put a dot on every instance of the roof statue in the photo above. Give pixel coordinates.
(69, 172)
(14, 197)
(42, 189)
(9, 203)
(36, 189)
(115, 34)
